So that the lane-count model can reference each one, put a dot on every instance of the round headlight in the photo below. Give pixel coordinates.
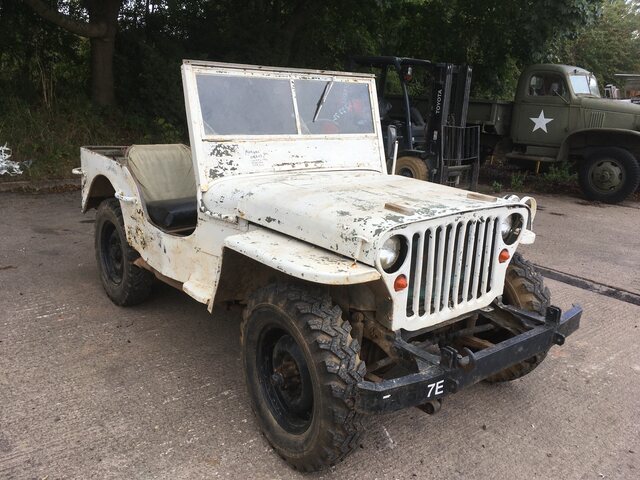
(392, 253)
(511, 227)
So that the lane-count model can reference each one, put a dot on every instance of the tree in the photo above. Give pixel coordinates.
(101, 28)
(611, 45)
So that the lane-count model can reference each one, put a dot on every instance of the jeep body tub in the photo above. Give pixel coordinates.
(286, 183)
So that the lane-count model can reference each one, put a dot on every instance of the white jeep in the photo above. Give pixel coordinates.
(364, 292)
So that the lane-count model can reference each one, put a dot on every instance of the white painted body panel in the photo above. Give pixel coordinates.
(300, 260)
(316, 207)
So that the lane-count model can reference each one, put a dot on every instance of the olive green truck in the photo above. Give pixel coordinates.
(558, 115)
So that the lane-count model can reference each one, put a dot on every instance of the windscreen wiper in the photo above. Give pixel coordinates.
(325, 92)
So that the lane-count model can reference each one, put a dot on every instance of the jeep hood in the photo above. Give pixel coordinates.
(345, 212)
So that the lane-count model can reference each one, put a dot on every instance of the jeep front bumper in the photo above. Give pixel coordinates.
(440, 376)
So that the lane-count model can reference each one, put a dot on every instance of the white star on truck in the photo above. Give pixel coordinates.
(540, 123)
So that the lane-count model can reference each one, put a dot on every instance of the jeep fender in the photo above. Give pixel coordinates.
(300, 259)
(600, 137)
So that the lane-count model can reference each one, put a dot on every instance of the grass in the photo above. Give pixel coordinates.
(556, 177)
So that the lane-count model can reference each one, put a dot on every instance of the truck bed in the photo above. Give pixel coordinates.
(493, 116)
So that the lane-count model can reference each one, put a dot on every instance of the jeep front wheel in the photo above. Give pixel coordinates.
(301, 368)
(523, 288)
(125, 283)
(609, 175)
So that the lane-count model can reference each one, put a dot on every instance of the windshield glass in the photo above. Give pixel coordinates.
(327, 107)
(241, 105)
(246, 105)
(584, 84)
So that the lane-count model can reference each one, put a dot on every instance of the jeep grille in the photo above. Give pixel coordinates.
(451, 265)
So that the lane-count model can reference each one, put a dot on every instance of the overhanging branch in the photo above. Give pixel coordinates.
(83, 29)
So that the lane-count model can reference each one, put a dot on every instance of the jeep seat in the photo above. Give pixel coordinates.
(167, 183)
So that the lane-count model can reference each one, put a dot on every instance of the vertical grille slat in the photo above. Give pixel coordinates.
(441, 235)
(486, 260)
(419, 277)
(462, 231)
(451, 242)
(477, 261)
(414, 265)
(468, 261)
(431, 234)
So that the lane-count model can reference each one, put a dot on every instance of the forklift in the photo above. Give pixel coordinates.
(423, 110)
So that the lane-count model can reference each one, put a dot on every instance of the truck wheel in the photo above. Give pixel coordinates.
(524, 289)
(609, 175)
(301, 368)
(125, 283)
(412, 167)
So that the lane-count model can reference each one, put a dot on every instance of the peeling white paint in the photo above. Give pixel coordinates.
(315, 207)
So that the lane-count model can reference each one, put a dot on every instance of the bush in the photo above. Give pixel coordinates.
(51, 137)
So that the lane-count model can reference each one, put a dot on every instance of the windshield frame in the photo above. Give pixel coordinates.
(291, 75)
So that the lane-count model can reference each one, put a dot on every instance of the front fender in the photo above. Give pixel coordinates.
(300, 259)
(591, 137)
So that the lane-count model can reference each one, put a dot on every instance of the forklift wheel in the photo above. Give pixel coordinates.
(412, 167)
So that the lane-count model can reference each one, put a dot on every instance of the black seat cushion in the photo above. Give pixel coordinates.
(174, 213)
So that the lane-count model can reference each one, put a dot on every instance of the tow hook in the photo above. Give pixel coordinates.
(432, 407)
(450, 358)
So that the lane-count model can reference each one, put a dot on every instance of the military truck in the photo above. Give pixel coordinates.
(558, 115)
(363, 292)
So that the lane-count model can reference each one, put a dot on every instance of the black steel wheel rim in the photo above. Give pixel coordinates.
(111, 253)
(607, 175)
(284, 378)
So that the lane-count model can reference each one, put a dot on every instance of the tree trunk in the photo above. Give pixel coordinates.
(102, 88)
(102, 50)
(101, 30)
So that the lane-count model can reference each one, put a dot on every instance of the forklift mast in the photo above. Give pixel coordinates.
(449, 148)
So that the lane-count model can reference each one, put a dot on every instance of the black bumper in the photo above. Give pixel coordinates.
(452, 372)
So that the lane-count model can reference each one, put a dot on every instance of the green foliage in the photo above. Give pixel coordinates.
(496, 187)
(517, 181)
(610, 46)
(51, 137)
(45, 71)
(560, 173)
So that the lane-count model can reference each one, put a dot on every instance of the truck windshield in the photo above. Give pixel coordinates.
(252, 105)
(584, 84)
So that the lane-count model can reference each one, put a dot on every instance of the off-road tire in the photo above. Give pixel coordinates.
(630, 170)
(334, 367)
(133, 284)
(412, 167)
(524, 288)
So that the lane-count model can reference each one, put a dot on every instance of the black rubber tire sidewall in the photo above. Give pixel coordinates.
(526, 287)
(625, 159)
(294, 445)
(334, 366)
(136, 283)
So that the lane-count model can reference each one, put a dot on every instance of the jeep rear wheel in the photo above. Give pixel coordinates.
(125, 283)
(524, 288)
(301, 368)
(609, 175)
